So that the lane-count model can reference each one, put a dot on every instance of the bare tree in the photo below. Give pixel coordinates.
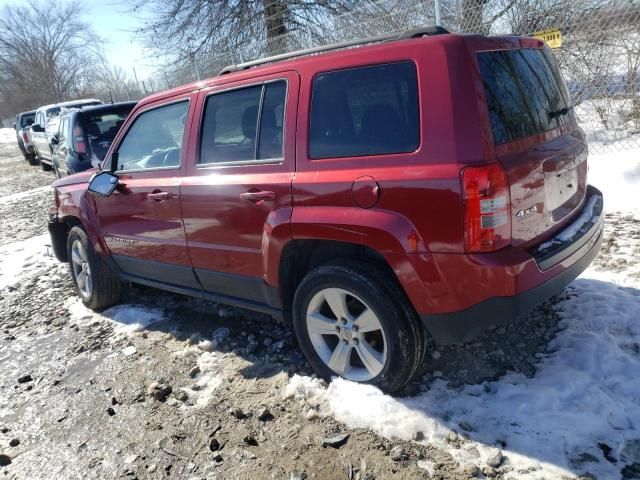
(114, 84)
(47, 54)
(190, 29)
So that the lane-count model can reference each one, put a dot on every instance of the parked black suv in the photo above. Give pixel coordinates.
(84, 136)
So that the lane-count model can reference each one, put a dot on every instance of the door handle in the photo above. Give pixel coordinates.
(158, 196)
(258, 197)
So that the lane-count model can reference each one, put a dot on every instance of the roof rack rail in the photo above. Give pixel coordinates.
(387, 37)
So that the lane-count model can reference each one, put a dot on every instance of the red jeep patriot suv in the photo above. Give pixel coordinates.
(417, 188)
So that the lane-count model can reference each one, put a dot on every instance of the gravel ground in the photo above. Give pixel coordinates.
(172, 387)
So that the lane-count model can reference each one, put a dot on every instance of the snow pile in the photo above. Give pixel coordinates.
(20, 259)
(133, 318)
(127, 319)
(617, 175)
(584, 394)
(592, 115)
(209, 380)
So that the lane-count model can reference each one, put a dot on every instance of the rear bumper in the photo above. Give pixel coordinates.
(458, 327)
(468, 293)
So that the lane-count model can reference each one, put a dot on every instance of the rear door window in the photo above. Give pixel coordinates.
(363, 111)
(244, 125)
(525, 93)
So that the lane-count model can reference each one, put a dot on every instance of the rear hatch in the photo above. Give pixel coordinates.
(536, 138)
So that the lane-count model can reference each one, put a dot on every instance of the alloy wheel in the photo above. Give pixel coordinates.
(346, 334)
(81, 269)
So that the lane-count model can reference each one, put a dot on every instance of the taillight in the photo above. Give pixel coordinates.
(487, 205)
(78, 140)
(25, 137)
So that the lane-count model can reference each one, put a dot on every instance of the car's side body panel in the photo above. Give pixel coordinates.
(141, 229)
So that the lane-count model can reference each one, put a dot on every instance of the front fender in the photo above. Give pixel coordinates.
(76, 202)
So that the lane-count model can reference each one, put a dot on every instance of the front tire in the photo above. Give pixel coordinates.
(45, 166)
(352, 320)
(96, 284)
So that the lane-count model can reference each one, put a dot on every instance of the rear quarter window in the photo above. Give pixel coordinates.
(363, 111)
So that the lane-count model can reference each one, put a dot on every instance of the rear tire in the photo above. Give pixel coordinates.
(97, 285)
(377, 338)
(31, 158)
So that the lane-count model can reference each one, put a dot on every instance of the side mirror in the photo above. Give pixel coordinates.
(103, 183)
(36, 128)
(55, 140)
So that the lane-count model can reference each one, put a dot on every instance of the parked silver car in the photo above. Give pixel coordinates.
(45, 127)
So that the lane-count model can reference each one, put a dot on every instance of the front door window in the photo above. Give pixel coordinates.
(154, 140)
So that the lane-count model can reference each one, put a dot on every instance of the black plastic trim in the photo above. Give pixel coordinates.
(58, 234)
(178, 275)
(240, 286)
(240, 291)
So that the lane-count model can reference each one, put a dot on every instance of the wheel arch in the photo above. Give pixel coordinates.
(299, 257)
(60, 233)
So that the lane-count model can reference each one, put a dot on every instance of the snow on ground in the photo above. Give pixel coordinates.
(129, 320)
(7, 135)
(617, 174)
(19, 259)
(22, 195)
(126, 319)
(584, 394)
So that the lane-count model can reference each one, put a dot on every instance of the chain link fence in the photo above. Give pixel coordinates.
(599, 55)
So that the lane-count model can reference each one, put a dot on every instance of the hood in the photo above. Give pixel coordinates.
(82, 177)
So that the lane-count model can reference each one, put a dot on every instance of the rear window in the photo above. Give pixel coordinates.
(101, 128)
(525, 93)
(105, 123)
(365, 111)
(27, 119)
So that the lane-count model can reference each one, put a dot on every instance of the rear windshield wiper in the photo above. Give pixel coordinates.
(557, 113)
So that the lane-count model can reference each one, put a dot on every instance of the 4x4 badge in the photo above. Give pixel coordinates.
(527, 211)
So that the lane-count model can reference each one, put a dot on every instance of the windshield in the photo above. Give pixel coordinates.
(525, 93)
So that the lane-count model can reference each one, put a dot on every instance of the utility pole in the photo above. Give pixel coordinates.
(437, 9)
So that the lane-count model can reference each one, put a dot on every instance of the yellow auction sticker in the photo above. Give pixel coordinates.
(553, 37)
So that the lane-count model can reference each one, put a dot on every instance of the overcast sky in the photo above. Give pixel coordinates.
(111, 21)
